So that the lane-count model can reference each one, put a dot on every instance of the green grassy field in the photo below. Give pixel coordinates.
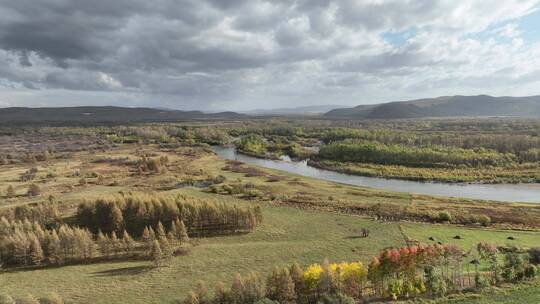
(470, 236)
(524, 293)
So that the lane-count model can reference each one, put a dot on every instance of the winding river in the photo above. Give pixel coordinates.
(499, 192)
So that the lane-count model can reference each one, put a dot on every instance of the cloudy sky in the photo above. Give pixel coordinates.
(239, 55)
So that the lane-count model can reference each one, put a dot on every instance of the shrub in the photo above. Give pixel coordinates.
(336, 299)
(435, 285)
(514, 266)
(534, 255)
(483, 220)
(480, 281)
(531, 272)
(444, 217)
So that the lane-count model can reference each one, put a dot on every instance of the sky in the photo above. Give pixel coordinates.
(216, 55)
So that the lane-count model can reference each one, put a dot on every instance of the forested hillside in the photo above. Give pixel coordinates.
(447, 106)
(9, 116)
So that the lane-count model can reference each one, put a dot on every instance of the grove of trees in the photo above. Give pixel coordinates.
(134, 211)
(399, 273)
(374, 152)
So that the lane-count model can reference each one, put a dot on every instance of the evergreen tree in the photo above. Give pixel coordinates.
(54, 248)
(166, 248)
(173, 231)
(36, 252)
(152, 234)
(116, 245)
(160, 231)
(221, 295)
(253, 288)
(129, 243)
(297, 278)
(157, 254)
(117, 219)
(280, 286)
(237, 290)
(21, 246)
(145, 236)
(147, 240)
(327, 282)
(104, 244)
(182, 234)
(202, 293)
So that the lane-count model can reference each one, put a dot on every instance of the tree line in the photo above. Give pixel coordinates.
(25, 243)
(399, 273)
(134, 211)
(374, 152)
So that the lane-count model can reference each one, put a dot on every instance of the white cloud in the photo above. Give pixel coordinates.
(238, 54)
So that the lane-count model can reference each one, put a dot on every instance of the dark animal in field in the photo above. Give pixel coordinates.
(475, 262)
(457, 237)
(511, 238)
(431, 238)
(364, 232)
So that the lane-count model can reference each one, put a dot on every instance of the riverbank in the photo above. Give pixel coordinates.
(497, 192)
(489, 175)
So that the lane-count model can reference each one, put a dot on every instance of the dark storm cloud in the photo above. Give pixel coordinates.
(208, 52)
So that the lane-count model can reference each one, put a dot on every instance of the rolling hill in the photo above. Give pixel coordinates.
(447, 106)
(104, 114)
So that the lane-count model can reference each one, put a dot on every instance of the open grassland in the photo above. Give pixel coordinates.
(524, 293)
(469, 237)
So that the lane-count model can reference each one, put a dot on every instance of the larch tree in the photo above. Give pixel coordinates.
(36, 252)
(160, 231)
(202, 293)
(104, 244)
(237, 290)
(54, 248)
(182, 233)
(117, 219)
(157, 254)
(280, 286)
(129, 243)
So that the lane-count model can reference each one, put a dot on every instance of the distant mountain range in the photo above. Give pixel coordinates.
(105, 114)
(305, 110)
(447, 106)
